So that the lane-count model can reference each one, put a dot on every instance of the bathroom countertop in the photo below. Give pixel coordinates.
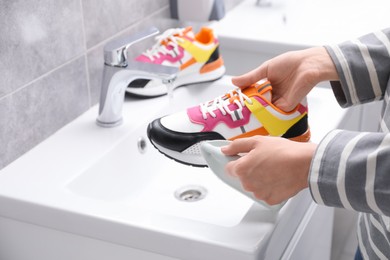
(297, 24)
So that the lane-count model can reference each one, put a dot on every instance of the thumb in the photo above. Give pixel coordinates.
(242, 145)
(251, 77)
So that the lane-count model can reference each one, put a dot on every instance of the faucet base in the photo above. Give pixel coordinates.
(110, 124)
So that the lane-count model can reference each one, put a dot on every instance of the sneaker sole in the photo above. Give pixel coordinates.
(180, 81)
(187, 159)
(197, 160)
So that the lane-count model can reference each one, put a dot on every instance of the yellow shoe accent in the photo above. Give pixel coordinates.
(199, 54)
(274, 125)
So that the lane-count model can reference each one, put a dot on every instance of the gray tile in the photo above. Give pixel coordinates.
(36, 37)
(105, 18)
(95, 72)
(160, 20)
(33, 113)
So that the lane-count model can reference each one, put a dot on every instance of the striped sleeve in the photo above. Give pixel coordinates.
(363, 66)
(352, 170)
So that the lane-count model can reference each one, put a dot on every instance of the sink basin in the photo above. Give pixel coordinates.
(142, 178)
(112, 186)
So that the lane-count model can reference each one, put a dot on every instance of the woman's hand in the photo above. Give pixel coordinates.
(292, 75)
(273, 168)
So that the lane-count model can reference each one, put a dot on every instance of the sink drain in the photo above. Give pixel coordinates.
(190, 193)
(141, 144)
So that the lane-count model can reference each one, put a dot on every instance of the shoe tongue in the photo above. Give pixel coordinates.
(261, 88)
(188, 32)
(267, 94)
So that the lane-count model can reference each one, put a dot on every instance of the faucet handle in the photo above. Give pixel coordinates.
(115, 52)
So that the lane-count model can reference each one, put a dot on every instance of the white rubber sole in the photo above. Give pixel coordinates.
(192, 159)
(185, 77)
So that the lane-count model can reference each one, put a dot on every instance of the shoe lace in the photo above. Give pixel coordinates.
(222, 103)
(171, 38)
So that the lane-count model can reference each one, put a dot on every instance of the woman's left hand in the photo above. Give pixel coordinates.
(273, 168)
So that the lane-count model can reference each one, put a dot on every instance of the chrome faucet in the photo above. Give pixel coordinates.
(118, 72)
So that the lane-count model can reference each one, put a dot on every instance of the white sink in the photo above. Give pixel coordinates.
(95, 183)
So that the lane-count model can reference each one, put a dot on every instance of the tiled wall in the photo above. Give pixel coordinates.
(51, 61)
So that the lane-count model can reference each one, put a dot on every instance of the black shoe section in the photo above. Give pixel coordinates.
(138, 83)
(214, 56)
(177, 141)
(298, 129)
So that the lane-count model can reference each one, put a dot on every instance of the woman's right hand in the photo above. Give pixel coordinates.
(292, 75)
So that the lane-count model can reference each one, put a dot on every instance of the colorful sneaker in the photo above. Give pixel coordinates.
(197, 57)
(237, 114)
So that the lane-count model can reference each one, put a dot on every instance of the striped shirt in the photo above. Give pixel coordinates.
(352, 169)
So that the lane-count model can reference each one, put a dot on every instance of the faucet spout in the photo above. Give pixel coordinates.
(118, 72)
(115, 82)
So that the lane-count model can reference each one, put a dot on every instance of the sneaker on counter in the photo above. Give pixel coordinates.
(196, 55)
(237, 114)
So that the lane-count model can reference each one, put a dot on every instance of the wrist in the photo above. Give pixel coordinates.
(323, 63)
(307, 157)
